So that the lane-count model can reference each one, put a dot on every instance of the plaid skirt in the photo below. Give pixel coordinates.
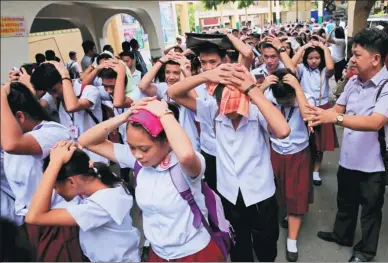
(293, 180)
(325, 135)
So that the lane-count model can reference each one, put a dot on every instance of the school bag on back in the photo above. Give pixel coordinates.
(219, 228)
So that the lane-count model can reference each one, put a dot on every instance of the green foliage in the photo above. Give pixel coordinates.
(212, 4)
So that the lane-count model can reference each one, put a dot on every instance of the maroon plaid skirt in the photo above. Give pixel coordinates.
(55, 243)
(293, 180)
(325, 135)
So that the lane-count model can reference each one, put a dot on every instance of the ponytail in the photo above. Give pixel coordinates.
(107, 177)
(79, 165)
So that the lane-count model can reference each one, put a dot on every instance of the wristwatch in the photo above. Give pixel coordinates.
(340, 119)
(282, 49)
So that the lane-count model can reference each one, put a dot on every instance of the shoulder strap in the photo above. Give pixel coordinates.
(381, 132)
(320, 88)
(87, 110)
(184, 191)
(136, 171)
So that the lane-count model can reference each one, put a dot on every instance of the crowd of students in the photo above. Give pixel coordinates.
(249, 114)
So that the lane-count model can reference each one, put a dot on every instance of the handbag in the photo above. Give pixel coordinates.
(381, 138)
(340, 86)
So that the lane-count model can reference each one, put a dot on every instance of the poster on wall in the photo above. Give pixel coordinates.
(13, 27)
(168, 23)
(128, 20)
(138, 34)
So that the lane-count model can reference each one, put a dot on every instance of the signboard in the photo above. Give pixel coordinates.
(13, 27)
(168, 24)
(138, 34)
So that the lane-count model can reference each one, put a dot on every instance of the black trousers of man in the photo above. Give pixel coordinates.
(256, 228)
(211, 170)
(357, 188)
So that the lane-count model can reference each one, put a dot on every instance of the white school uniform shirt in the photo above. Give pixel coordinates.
(7, 201)
(338, 49)
(263, 69)
(207, 137)
(310, 82)
(106, 230)
(82, 119)
(186, 116)
(243, 155)
(24, 172)
(167, 218)
(298, 139)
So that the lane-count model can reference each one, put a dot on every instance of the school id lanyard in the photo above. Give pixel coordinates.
(283, 110)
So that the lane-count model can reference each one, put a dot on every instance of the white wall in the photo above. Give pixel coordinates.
(91, 17)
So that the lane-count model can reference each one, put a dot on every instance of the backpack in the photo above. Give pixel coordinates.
(219, 228)
(73, 75)
(107, 113)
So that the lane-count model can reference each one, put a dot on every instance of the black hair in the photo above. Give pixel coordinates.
(29, 67)
(20, 98)
(109, 73)
(209, 48)
(127, 54)
(339, 33)
(178, 49)
(45, 77)
(162, 137)
(103, 56)
(72, 54)
(15, 246)
(373, 40)
(50, 54)
(40, 58)
(126, 47)
(79, 165)
(133, 43)
(267, 45)
(171, 62)
(281, 90)
(108, 48)
(314, 38)
(290, 46)
(321, 32)
(235, 30)
(57, 59)
(218, 92)
(322, 65)
(88, 45)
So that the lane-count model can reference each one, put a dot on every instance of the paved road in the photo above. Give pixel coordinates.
(321, 217)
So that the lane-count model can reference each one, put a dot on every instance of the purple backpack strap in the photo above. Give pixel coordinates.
(184, 191)
(136, 171)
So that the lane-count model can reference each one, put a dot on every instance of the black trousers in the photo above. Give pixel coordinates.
(357, 188)
(256, 228)
(211, 171)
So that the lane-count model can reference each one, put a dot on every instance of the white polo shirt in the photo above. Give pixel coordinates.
(167, 218)
(24, 172)
(82, 119)
(243, 156)
(106, 231)
(298, 139)
(310, 81)
(207, 136)
(263, 69)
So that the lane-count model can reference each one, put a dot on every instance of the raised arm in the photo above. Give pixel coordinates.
(145, 84)
(299, 54)
(300, 96)
(329, 39)
(328, 60)
(244, 50)
(241, 78)
(13, 140)
(119, 98)
(276, 43)
(177, 138)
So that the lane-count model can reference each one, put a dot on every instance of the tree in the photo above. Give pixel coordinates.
(212, 4)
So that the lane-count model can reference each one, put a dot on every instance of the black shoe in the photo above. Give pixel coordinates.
(329, 237)
(355, 259)
(284, 223)
(317, 182)
(291, 256)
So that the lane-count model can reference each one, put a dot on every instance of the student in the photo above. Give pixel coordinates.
(40, 58)
(90, 76)
(157, 142)
(73, 67)
(108, 48)
(173, 74)
(27, 136)
(50, 55)
(90, 49)
(291, 157)
(314, 74)
(79, 108)
(140, 64)
(129, 60)
(106, 230)
(337, 50)
(244, 172)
